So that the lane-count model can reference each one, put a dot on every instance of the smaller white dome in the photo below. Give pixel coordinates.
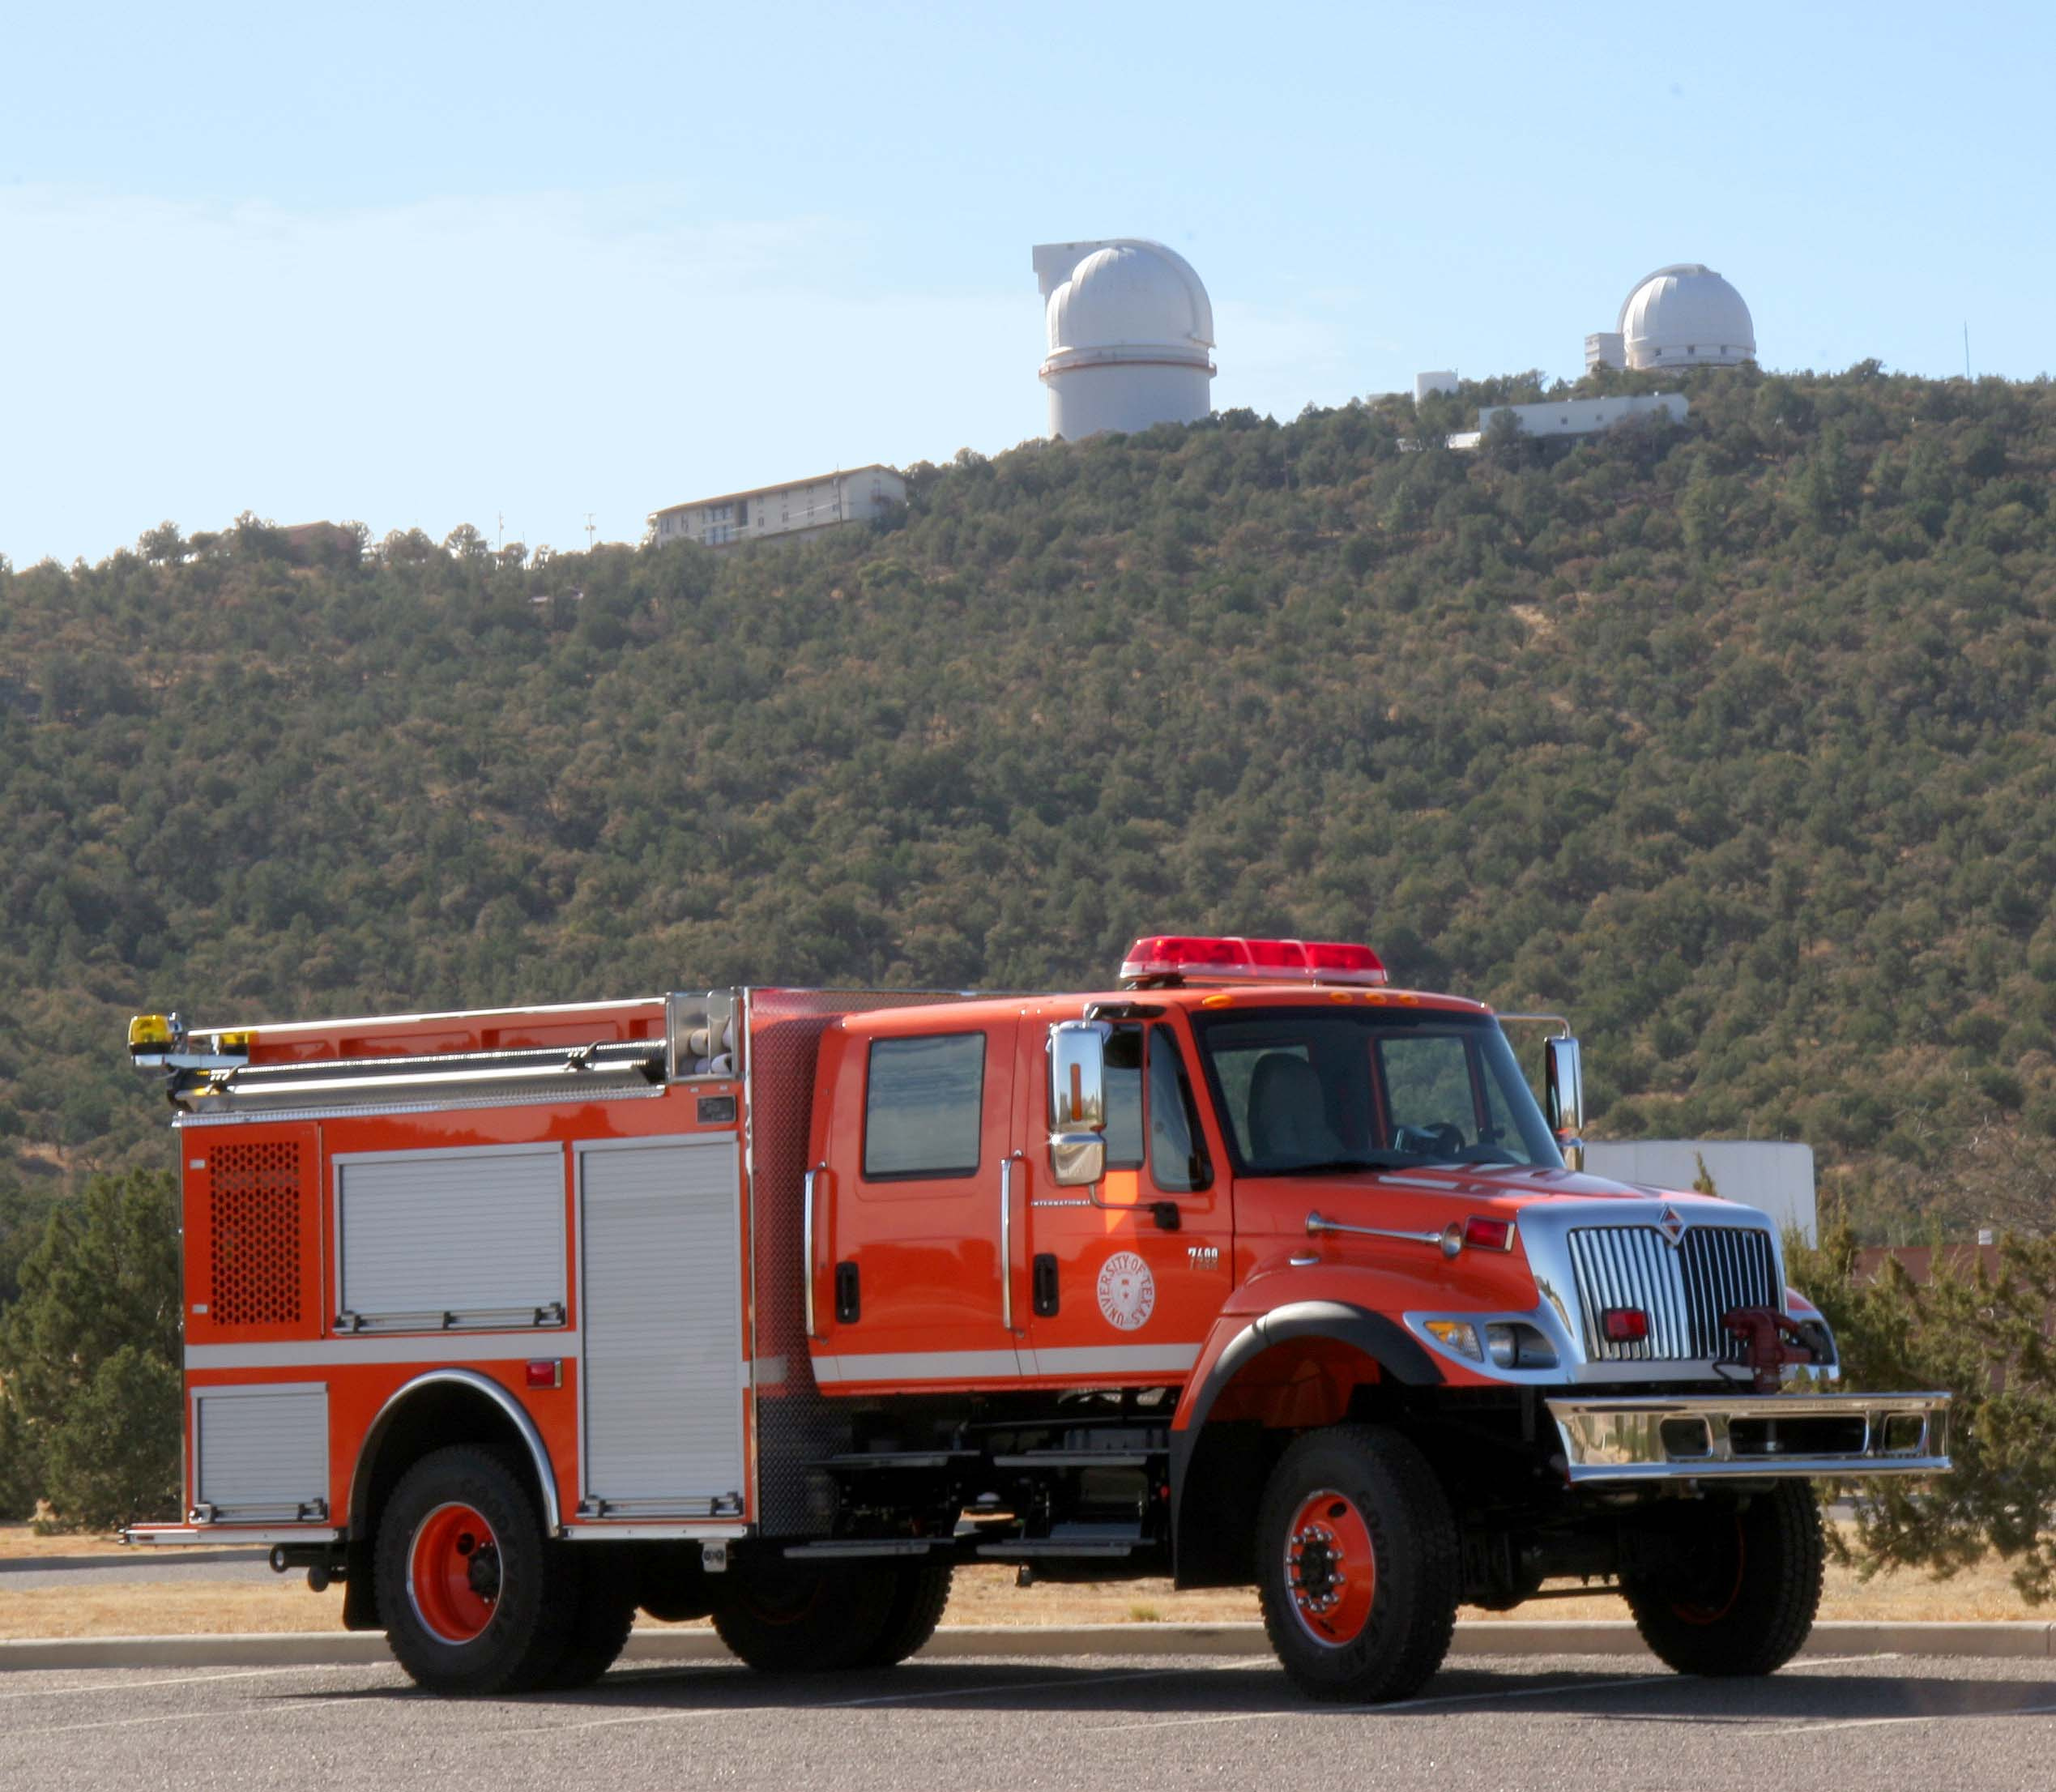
(1134, 296)
(1686, 315)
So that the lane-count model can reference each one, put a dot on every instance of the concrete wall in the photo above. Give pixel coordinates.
(1777, 1177)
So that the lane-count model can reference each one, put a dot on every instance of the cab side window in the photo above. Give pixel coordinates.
(1178, 1164)
(921, 1107)
(1123, 1087)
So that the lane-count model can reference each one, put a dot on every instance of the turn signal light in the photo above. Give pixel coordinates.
(1624, 1324)
(1232, 958)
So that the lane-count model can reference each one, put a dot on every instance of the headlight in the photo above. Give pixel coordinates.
(1517, 1347)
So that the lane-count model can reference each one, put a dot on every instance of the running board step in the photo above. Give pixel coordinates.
(899, 1459)
(1075, 1459)
(1039, 1547)
(841, 1548)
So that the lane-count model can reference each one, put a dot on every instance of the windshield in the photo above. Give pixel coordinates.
(1308, 1090)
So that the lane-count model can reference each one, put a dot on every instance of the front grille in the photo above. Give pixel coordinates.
(1685, 1291)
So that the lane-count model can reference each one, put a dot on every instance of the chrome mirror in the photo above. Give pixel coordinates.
(1563, 1097)
(1077, 1102)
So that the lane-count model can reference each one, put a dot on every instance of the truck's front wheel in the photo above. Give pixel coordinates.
(1357, 1564)
(1743, 1598)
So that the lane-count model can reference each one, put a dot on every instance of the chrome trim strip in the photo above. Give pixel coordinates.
(1622, 1439)
(158, 1536)
(356, 1111)
(1006, 1240)
(539, 1455)
(806, 1249)
(1317, 1224)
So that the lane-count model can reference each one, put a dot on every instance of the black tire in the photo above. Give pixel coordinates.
(783, 1617)
(1745, 1604)
(524, 1622)
(914, 1609)
(600, 1624)
(1357, 1564)
(671, 1586)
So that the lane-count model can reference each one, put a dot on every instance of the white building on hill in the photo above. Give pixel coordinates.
(1130, 336)
(1685, 315)
(826, 501)
(1576, 417)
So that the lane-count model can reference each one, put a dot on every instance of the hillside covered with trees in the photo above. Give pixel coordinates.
(1735, 740)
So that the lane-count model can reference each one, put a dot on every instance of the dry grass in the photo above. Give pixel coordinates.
(983, 1596)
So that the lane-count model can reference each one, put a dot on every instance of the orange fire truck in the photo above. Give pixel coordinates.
(773, 1305)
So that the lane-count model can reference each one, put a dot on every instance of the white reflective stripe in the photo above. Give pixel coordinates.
(1117, 1358)
(325, 1353)
(918, 1365)
(992, 1365)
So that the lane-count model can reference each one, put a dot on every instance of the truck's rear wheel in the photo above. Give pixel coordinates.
(783, 1617)
(473, 1593)
(1357, 1564)
(1743, 1600)
(913, 1608)
(600, 1620)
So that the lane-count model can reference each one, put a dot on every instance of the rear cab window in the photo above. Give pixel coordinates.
(923, 1104)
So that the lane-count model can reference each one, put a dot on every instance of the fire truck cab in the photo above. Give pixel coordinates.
(774, 1305)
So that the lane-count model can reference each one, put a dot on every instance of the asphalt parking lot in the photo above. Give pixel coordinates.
(1831, 1722)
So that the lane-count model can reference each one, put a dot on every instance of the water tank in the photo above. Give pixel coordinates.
(1130, 334)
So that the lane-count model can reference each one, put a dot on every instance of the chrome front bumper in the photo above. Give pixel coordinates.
(1716, 1436)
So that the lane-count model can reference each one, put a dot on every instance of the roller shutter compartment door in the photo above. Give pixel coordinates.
(450, 1239)
(661, 1327)
(261, 1451)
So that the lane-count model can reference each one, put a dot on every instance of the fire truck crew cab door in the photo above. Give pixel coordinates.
(1110, 1288)
(907, 1285)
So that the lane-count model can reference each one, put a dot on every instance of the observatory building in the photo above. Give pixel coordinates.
(1685, 315)
(1130, 336)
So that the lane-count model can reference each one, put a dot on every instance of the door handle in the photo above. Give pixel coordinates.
(806, 1247)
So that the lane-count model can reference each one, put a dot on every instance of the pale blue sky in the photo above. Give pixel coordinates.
(425, 265)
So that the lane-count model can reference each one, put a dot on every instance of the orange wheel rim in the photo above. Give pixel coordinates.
(1331, 1569)
(1712, 1612)
(452, 1572)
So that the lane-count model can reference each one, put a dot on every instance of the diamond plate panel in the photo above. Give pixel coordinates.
(796, 1424)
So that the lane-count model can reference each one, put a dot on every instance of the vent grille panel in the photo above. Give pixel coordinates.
(1685, 1291)
(254, 1277)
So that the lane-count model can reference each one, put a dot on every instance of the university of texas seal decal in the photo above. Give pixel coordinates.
(1128, 1292)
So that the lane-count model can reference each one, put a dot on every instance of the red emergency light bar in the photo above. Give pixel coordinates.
(1170, 957)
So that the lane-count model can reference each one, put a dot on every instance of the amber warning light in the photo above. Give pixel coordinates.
(1170, 958)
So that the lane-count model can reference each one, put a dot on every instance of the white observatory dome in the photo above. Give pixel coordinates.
(1686, 316)
(1131, 332)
